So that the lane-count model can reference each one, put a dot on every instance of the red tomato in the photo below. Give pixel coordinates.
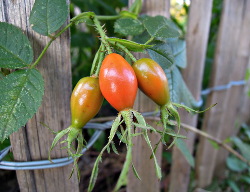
(118, 82)
(86, 101)
(152, 80)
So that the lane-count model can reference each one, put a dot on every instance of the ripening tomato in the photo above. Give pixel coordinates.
(118, 82)
(152, 80)
(86, 101)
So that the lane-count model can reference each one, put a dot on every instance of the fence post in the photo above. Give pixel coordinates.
(197, 36)
(33, 141)
(233, 118)
(141, 152)
(224, 62)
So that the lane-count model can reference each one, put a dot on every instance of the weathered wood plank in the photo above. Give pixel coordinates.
(33, 141)
(235, 116)
(141, 152)
(197, 36)
(225, 60)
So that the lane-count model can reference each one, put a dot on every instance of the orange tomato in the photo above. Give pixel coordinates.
(118, 82)
(86, 101)
(152, 80)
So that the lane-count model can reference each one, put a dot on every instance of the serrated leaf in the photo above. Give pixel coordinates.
(114, 148)
(130, 45)
(178, 47)
(139, 118)
(162, 54)
(160, 26)
(179, 93)
(21, 95)
(185, 151)
(235, 164)
(243, 147)
(128, 26)
(15, 48)
(47, 16)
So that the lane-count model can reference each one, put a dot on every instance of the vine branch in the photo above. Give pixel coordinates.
(190, 128)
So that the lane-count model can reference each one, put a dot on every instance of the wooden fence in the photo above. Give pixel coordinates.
(230, 63)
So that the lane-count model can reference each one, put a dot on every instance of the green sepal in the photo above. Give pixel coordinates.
(130, 45)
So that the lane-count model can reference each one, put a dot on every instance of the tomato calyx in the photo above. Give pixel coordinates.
(132, 120)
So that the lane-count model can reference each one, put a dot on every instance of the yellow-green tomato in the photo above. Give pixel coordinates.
(152, 80)
(86, 101)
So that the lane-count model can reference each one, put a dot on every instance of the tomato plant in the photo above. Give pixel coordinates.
(118, 81)
(86, 101)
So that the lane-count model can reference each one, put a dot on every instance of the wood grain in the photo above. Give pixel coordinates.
(33, 141)
(223, 68)
(197, 36)
(141, 152)
(236, 95)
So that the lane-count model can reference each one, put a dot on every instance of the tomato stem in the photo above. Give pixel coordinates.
(96, 60)
(123, 48)
(101, 56)
(127, 115)
(49, 43)
(108, 17)
(149, 41)
(102, 33)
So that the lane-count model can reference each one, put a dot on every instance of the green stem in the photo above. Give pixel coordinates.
(96, 58)
(102, 33)
(47, 46)
(108, 17)
(149, 41)
(123, 48)
(123, 176)
(100, 60)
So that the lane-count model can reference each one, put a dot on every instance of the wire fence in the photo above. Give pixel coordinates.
(99, 128)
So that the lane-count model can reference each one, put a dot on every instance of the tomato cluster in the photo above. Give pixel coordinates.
(119, 81)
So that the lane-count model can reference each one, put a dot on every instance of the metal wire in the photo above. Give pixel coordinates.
(99, 127)
(46, 164)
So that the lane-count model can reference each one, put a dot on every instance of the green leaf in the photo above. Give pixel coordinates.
(128, 26)
(157, 167)
(1, 75)
(235, 164)
(114, 148)
(246, 179)
(214, 144)
(234, 186)
(135, 172)
(185, 151)
(243, 147)
(160, 26)
(21, 95)
(178, 47)
(162, 54)
(47, 16)
(179, 92)
(15, 48)
(130, 45)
